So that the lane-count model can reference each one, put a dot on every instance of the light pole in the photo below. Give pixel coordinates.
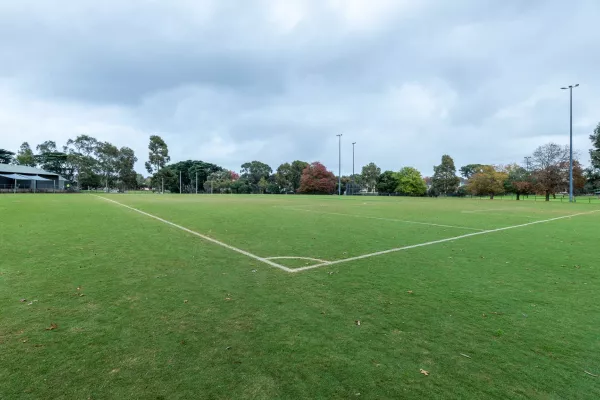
(570, 87)
(527, 162)
(339, 164)
(353, 182)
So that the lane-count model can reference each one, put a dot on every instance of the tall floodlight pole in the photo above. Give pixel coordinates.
(339, 164)
(528, 163)
(196, 182)
(353, 181)
(570, 87)
(179, 182)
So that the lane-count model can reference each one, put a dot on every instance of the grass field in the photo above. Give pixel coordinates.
(495, 299)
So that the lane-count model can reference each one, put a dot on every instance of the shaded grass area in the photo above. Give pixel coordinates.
(521, 304)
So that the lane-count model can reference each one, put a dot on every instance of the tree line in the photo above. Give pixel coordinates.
(83, 160)
(89, 162)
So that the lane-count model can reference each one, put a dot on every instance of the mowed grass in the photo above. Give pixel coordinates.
(161, 313)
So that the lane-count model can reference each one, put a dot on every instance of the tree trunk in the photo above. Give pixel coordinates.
(492, 196)
(547, 196)
(518, 196)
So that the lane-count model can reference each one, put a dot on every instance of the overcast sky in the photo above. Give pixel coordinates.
(275, 80)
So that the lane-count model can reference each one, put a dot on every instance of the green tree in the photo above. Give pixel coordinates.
(6, 157)
(166, 178)
(202, 170)
(253, 171)
(370, 173)
(387, 182)
(297, 168)
(107, 155)
(518, 180)
(158, 155)
(595, 151)
(283, 177)
(592, 173)
(220, 181)
(82, 144)
(81, 161)
(410, 182)
(489, 181)
(25, 155)
(125, 164)
(262, 185)
(140, 181)
(52, 160)
(468, 170)
(444, 179)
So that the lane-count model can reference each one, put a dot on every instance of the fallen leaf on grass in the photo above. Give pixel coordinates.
(185, 301)
(357, 322)
(410, 292)
(23, 300)
(227, 298)
(24, 340)
(483, 315)
(426, 373)
(52, 327)
(114, 371)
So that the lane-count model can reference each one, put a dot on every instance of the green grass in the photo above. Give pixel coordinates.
(163, 314)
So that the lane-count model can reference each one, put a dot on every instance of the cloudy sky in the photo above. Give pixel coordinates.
(275, 80)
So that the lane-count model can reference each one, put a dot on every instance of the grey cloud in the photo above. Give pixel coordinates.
(222, 82)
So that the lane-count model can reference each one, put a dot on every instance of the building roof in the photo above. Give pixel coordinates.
(25, 177)
(24, 169)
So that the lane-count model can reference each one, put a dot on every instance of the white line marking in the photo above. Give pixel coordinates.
(436, 242)
(387, 219)
(296, 258)
(207, 238)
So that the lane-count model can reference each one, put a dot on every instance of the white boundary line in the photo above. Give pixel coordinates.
(207, 238)
(296, 258)
(436, 242)
(387, 219)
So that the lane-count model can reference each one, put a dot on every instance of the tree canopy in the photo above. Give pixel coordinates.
(6, 156)
(444, 179)
(549, 174)
(387, 182)
(370, 173)
(316, 179)
(25, 155)
(158, 154)
(470, 169)
(489, 181)
(410, 182)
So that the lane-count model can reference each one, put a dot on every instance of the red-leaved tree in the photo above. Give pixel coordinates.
(317, 180)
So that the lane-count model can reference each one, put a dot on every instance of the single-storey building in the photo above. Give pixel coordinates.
(24, 178)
